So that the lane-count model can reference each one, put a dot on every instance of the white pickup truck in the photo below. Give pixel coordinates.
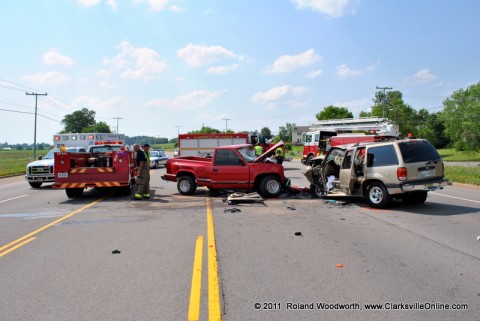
(41, 170)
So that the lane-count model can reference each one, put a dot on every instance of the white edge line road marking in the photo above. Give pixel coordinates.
(458, 198)
(13, 198)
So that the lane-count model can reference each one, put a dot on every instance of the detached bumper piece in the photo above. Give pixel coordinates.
(235, 198)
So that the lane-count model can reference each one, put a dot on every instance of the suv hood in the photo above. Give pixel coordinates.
(269, 152)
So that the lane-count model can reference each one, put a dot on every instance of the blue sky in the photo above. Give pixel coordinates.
(169, 66)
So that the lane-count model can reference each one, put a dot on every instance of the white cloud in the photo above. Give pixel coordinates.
(289, 63)
(220, 70)
(91, 3)
(159, 5)
(191, 101)
(315, 73)
(88, 3)
(98, 104)
(356, 105)
(135, 63)
(201, 55)
(49, 78)
(334, 8)
(106, 85)
(53, 57)
(113, 4)
(343, 72)
(277, 93)
(423, 76)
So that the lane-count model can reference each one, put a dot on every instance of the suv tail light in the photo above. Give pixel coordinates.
(402, 173)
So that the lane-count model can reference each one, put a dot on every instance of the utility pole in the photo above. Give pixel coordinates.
(117, 118)
(384, 97)
(35, 125)
(226, 123)
(178, 130)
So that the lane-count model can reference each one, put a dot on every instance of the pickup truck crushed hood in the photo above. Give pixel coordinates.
(269, 152)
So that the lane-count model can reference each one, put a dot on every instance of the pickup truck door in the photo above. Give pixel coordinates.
(229, 170)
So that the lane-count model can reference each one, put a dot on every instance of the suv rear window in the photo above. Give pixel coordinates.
(381, 156)
(418, 151)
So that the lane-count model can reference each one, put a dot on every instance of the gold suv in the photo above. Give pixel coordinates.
(401, 169)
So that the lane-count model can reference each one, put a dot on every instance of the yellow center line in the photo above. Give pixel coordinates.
(195, 292)
(214, 310)
(16, 246)
(29, 235)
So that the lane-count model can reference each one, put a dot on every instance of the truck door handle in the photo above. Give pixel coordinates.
(215, 170)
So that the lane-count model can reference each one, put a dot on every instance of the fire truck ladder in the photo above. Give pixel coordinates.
(381, 126)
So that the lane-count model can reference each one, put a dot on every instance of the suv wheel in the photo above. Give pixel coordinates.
(186, 185)
(316, 191)
(377, 195)
(415, 198)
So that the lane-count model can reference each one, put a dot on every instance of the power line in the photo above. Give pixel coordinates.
(226, 123)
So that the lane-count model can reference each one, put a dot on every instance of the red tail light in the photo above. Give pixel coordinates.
(402, 173)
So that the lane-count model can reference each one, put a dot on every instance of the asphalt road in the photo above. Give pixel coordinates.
(106, 257)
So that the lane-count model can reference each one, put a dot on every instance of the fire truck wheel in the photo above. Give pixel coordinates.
(35, 185)
(186, 185)
(74, 192)
(270, 186)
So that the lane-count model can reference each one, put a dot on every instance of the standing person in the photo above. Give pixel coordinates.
(143, 175)
(258, 150)
(146, 151)
(279, 155)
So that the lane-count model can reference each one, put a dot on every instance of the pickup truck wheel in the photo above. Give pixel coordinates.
(74, 192)
(377, 195)
(35, 185)
(270, 186)
(186, 185)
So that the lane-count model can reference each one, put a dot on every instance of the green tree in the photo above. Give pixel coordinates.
(461, 115)
(207, 130)
(78, 120)
(391, 105)
(285, 133)
(265, 132)
(334, 112)
(431, 128)
(100, 127)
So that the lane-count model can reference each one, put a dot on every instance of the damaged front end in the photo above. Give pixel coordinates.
(315, 177)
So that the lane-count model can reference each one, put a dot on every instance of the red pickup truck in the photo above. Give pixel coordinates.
(231, 167)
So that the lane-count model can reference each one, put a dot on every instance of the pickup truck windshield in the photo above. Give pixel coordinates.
(248, 153)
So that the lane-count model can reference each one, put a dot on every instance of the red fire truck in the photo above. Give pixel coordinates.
(202, 145)
(107, 164)
(334, 132)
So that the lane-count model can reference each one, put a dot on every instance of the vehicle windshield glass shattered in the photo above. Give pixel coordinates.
(248, 153)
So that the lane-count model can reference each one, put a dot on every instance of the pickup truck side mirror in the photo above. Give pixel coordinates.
(40, 157)
(242, 163)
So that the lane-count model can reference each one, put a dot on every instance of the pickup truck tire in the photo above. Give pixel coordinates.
(377, 195)
(270, 186)
(186, 185)
(74, 192)
(35, 185)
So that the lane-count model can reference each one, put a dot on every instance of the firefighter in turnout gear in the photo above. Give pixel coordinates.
(143, 176)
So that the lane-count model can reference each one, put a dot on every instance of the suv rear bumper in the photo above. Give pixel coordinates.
(425, 186)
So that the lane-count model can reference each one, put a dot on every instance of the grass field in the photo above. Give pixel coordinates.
(13, 162)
